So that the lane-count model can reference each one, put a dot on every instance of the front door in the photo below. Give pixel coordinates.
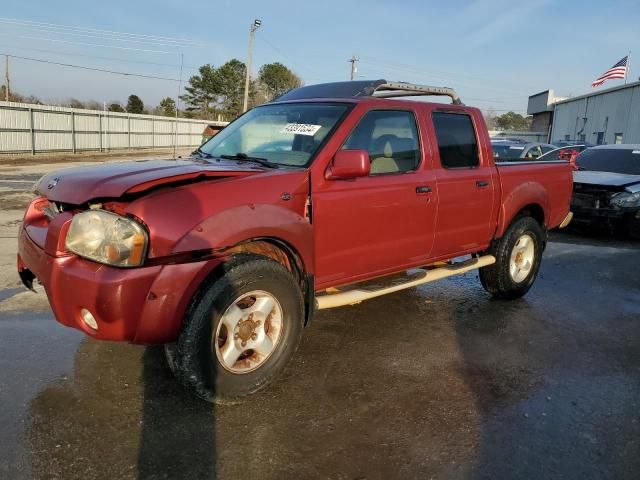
(381, 223)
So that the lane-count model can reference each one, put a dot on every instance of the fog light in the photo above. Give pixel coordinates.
(89, 319)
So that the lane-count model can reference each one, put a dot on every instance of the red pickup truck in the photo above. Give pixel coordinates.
(317, 200)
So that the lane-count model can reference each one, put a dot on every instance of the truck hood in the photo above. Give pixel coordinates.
(607, 179)
(112, 180)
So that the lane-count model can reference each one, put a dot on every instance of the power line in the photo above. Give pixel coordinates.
(105, 37)
(128, 74)
(54, 26)
(143, 62)
(88, 44)
(434, 74)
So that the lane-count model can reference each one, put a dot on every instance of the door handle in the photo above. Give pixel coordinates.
(482, 184)
(423, 189)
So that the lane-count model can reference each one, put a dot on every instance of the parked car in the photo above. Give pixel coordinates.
(570, 143)
(507, 139)
(569, 153)
(510, 150)
(607, 187)
(225, 256)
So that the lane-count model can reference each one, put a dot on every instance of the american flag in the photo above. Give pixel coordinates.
(619, 70)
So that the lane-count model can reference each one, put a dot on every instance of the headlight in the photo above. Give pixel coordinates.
(626, 199)
(107, 238)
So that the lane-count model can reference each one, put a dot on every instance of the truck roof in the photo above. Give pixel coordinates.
(361, 89)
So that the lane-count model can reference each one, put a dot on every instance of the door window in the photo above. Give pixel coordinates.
(390, 137)
(456, 140)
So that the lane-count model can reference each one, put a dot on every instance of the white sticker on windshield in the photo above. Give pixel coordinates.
(637, 152)
(516, 148)
(301, 129)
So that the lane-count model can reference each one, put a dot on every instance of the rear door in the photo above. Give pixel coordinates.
(467, 186)
(381, 223)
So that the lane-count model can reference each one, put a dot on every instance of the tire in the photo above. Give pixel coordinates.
(499, 279)
(632, 227)
(264, 302)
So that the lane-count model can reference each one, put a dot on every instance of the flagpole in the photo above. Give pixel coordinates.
(626, 72)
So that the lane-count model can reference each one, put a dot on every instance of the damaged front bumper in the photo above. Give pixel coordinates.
(139, 305)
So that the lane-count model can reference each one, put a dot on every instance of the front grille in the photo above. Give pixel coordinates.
(592, 196)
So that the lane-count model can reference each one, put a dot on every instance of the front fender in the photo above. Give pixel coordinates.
(525, 194)
(238, 224)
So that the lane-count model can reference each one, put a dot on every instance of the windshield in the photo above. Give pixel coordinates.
(507, 151)
(286, 134)
(552, 155)
(615, 160)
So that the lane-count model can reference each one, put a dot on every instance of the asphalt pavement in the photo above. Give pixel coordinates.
(435, 382)
(440, 381)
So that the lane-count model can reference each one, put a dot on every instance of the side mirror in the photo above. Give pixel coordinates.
(349, 164)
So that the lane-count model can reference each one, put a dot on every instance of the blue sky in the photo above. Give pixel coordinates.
(494, 52)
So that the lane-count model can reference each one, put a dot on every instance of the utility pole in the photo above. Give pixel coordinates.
(252, 30)
(354, 69)
(175, 123)
(8, 89)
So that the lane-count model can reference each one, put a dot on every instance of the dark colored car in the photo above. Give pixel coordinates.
(607, 187)
(508, 151)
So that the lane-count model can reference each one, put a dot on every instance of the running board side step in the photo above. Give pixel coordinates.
(357, 295)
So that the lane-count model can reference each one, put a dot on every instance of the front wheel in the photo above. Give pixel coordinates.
(518, 254)
(241, 330)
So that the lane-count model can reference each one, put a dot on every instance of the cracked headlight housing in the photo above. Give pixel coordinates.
(107, 238)
(626, 199)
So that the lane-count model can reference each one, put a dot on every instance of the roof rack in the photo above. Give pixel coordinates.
(368, 88)
(402, 89)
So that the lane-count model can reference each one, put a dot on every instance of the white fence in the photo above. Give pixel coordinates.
(27, 128)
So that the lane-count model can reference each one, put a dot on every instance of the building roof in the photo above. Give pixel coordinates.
(599, 92)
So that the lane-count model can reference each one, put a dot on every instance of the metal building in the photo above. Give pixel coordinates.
(605, 116)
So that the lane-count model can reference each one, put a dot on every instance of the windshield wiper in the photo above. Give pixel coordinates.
(246, 158)
(201, 153)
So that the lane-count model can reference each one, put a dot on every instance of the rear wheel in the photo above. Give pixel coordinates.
(241, 330)
(518, 254)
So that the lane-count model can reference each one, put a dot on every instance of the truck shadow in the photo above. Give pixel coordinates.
(121, 415)
(173, 445)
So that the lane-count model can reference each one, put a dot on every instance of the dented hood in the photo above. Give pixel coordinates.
(112, 180)
(608, 179)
